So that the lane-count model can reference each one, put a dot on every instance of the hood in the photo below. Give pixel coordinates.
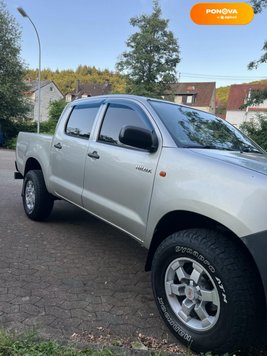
(254, 161)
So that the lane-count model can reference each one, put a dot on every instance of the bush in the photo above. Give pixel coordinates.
(256, 129)
(55, 110)
(48, 127)
(11, 143)
(11, 128)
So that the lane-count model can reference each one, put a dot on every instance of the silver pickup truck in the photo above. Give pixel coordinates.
(191, 188)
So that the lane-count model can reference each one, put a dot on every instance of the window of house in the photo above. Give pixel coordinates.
(118, 116)
(178, 99)
(51, 89)
(68, 98)
(189, 99)
(81, 120)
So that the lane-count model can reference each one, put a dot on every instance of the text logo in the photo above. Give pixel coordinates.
(222, 11)
(227, 13)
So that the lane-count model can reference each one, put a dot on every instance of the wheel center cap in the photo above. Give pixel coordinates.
(190, 292)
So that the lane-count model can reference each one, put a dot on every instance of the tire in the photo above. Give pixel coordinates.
(37, 202)
(206, 290)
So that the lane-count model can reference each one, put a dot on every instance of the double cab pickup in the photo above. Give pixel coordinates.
(191, 188)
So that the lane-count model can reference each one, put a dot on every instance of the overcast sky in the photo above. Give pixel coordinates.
(93, 32)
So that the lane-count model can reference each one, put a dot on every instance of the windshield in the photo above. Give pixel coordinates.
(197, 129)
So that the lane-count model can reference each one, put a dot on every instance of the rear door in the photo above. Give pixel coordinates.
(119, 179)
(69, 151)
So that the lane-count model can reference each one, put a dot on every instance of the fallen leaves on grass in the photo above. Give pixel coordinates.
(142, 342)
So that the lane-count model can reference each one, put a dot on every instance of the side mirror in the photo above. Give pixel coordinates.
(139, 138)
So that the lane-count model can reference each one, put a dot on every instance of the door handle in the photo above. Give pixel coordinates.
(58, 145)
(94, 155)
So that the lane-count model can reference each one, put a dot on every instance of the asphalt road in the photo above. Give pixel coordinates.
(70, 274)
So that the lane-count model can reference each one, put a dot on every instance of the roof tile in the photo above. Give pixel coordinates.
(203, 91)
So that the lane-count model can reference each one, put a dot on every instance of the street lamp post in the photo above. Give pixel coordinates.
(24, 14)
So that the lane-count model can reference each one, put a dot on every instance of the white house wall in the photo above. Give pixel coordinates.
(237, 117)
(263, 104)
(47, 96)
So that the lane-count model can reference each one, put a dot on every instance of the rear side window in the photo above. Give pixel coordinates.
(118, 116)
(81, 120)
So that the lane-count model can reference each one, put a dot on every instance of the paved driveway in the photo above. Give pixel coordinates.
(71, 274)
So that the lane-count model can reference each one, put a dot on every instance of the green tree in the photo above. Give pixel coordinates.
(263, 59)
(256, 129)
(259, 6)
(150, 63)
(256, 97)
(12, 87)
(55, 109)
(66, 80)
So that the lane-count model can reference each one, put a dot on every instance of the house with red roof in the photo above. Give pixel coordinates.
(239, 95)
(84, 90)
(199, 95)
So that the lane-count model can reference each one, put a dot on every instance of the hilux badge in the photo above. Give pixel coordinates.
(143, 169)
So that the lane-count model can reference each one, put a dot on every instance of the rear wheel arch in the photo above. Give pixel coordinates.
(37, 201)
(32, 164)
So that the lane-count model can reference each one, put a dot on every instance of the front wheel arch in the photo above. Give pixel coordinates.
(175, 221)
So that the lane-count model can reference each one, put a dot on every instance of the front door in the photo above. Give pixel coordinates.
(119, 179)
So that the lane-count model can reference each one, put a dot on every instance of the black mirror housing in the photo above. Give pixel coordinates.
(139, 138)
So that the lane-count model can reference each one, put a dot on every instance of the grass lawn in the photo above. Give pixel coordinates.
(29, 345)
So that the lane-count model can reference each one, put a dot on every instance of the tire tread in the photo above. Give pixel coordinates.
(44, 201)
(224, 252)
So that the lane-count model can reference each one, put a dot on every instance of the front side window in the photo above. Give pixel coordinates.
(81, 120)
(118, 116)
(198, 129)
